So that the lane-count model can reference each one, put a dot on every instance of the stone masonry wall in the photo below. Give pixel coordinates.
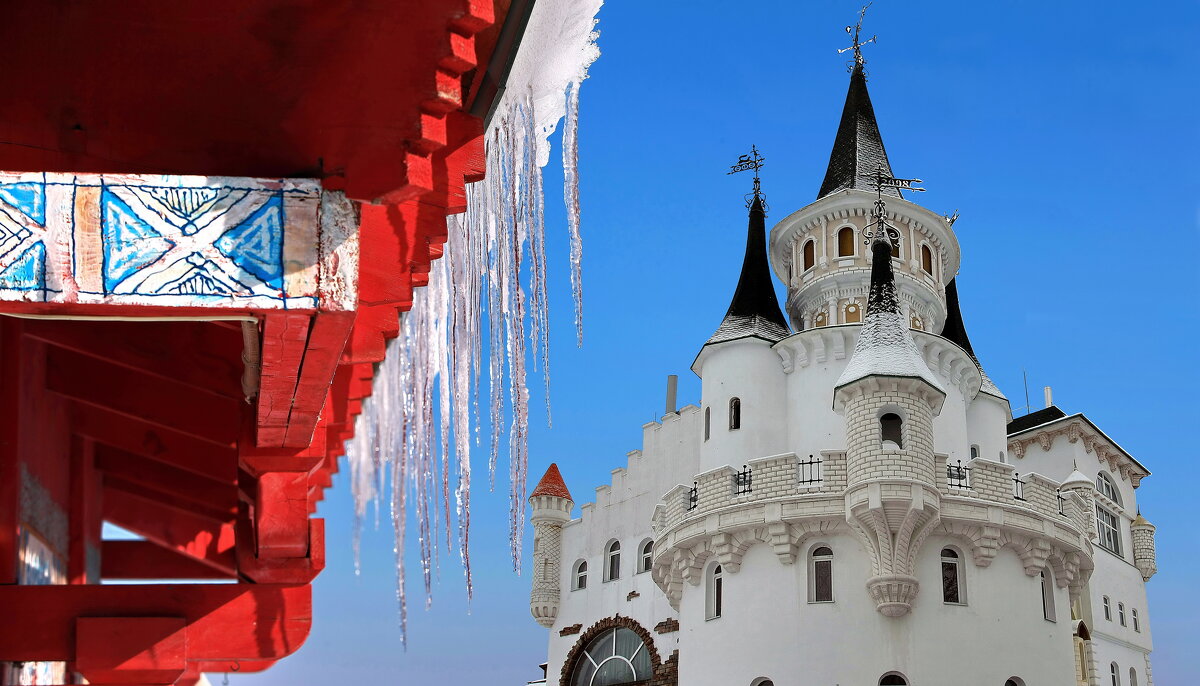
(867, 459)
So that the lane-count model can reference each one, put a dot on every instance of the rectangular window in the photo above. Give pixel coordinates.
(1109, 529)
(822, 581)
(950, 583)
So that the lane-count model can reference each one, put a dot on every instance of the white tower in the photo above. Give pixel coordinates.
(550, 505)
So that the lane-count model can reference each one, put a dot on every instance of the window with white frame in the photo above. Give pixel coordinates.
(1108, 488)
(1047, 595)
(1121, 613)
(820, 575)
(579, 576)
(1132, 677)
(646, 556)
(891, 431)
(612, 567)
(1115, 672)
(846, 242)
(1137, 626)
(714, 592)
(1108, 525)
(1107, 608)
(735, 413)
(892, 679)
(616, 656)
(952, 586)
(707, 421)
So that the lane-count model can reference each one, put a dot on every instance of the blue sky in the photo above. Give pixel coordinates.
(1064, 132)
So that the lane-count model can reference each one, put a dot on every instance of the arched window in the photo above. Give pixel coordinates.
(846, 242)
(1107, 608)
(612, 570)
(762, 681)
(974, 451)
(735, 413)
(820, 319)
(927, 260)
(1132, 677)
(1107, 488)
(892, 679)
(1014, 681)
(895, 241)
(1115, 672)
(810, 255)
(820, 575)
(1121, 613)
(853, 313)
(891, 431)
(1137, 626)
(915, 323)
(579, 576)
(713, 598)
(707, 421)
(1047, 595)
(616, 656)
(646, 556)
(952, 590)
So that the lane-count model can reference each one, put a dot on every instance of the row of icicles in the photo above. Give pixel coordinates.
(433, 369)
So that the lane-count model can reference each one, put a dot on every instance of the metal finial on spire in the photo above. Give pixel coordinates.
(883, 230)
(752, 161)
(854, 32)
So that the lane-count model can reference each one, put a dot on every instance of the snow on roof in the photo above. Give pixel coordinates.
(886, 348)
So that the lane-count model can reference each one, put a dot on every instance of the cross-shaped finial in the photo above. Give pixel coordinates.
(752, 161)
(854, 32)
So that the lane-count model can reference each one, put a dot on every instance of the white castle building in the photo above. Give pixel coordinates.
(851, 504)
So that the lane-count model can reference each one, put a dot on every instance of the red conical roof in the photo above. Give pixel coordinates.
(552, 484)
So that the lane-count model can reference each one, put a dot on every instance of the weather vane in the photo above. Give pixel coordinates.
(883, 181)
(854, 32)
(752, 161)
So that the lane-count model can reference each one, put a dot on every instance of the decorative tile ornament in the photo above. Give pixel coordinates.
(176, 241)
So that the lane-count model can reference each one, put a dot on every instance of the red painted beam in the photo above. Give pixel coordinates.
(155, 443)
(223, 621)
(209, 542)
(165, 498)
(284, 338)
(187, 487)
(323, 350)
(154, 400)
(148, 560)
(10, 479)
(196, 354)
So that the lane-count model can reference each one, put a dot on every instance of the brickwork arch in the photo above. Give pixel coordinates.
(663, 674)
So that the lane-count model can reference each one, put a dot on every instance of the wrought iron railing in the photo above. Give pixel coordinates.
(742, 481)
(810, 470)
(958, 476)
(1062, 503)
(1018, 487)
(692, 497)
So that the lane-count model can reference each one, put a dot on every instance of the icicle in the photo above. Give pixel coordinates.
(570, 155)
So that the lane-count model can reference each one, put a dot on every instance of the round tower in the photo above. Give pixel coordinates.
(889, 398)
(550, 507)
(742, 379)
(1143, 547)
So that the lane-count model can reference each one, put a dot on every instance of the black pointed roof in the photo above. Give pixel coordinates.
(858, 147)
(754, 310)
(954, 330)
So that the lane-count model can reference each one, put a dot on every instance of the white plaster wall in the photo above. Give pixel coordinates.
(999, 634)
(750, 370)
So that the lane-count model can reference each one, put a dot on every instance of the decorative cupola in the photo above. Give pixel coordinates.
(1077, 482)
(1143, 546)
(742, 391)
(550, 505)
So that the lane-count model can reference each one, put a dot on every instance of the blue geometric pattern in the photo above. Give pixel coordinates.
(257, 244)
(129, 242)
(160, 240)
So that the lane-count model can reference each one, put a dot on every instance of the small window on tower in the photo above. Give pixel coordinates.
(613, 569)
(927, 260)
(846, 242)
(820, 575)
(1047, 596)
(820, 319)
(714, 596)
(915, 323)
(974, 451)
(891, 431)
(853, 313)
(707, 421)
(952, 577)
(810, 255)
(580, 575)
(895, 241)
(735, 414)
(646, 560)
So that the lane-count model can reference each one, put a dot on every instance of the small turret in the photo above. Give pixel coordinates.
(1078, 482)
(550, 508)
(1143, 547)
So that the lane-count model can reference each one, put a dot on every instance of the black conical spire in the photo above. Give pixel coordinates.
(754, 311)
(954, 330)
(858, 148)
(882, 295)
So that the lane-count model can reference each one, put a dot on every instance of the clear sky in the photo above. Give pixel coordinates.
(1065, 133)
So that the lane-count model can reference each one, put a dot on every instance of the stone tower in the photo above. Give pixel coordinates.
(551, 505)
(889, 398)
